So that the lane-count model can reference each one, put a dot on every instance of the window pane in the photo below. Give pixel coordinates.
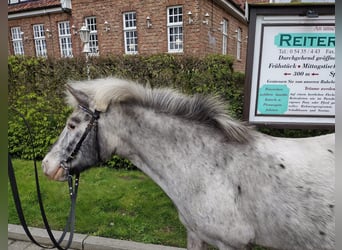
(39, 40)
(130, 33)
(18, 46)
(65, 42)
(175, 29)
(93, 41)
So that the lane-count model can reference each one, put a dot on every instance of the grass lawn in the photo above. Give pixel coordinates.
(111, 203)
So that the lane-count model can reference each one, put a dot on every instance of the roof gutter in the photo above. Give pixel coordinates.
(31, 13)
(232, 9)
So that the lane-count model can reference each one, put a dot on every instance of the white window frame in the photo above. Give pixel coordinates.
(175, 35)
(93, 41)
(17, 41)
(65, 42)
(238, 43)
(224, 36)
(130, 32)
(39, 40)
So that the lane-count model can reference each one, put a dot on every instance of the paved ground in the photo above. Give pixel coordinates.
(17, 240)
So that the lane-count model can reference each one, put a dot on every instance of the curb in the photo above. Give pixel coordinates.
(82, 241)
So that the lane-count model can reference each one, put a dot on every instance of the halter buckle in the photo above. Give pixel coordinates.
(63, 165)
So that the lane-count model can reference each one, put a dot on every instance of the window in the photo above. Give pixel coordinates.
(130, 32)
(17, 41)
(39, 40)
(224, 36)
(65, 43)
(239, 43)
(93, 41)
(175, 28)
(16, 1)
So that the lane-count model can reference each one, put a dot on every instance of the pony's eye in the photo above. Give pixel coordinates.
(71, 126)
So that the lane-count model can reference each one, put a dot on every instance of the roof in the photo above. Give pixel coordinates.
(44, 4)
(33, 5)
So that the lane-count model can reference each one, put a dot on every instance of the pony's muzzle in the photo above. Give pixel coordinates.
(57, 173)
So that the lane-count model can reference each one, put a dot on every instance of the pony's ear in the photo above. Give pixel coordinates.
(80, 97)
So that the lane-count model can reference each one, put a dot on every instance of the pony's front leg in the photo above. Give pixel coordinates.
(195, 243)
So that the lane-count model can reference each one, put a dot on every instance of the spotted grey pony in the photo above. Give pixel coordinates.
(232, 186)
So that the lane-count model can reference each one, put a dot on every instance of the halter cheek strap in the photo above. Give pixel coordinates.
(91, 125)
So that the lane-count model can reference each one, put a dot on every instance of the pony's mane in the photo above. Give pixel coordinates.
(206, 110)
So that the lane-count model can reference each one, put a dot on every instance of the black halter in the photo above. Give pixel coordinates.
(91, 125)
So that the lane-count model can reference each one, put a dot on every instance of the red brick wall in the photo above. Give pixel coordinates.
(26, 24)
(150, 40)
(213, 32)
(199, 39)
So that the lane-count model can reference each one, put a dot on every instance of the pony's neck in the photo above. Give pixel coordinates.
(166, 148)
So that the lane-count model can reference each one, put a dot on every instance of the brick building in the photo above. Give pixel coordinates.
(199, 27)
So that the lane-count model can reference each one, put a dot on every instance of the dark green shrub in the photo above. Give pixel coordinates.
(119, 162)
(34, 116)
(36, 93)
(36, 89)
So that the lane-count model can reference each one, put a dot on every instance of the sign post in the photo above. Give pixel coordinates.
(290, 74)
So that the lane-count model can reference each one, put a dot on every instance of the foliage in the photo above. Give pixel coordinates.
(34, 124)
(36, 90)
(36, 109)
(119, 162)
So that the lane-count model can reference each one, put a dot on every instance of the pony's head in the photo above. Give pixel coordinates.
(77, 147)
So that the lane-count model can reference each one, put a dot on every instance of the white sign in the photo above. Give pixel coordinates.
(293, 78)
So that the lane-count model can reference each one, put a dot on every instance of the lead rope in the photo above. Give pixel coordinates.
(73, 190)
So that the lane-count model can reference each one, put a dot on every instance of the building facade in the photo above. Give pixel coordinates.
(50, 28)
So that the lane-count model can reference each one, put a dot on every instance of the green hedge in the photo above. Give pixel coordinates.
(35, 94)
(36, 90)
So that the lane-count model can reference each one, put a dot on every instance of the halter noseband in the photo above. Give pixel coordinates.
(92, 124)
